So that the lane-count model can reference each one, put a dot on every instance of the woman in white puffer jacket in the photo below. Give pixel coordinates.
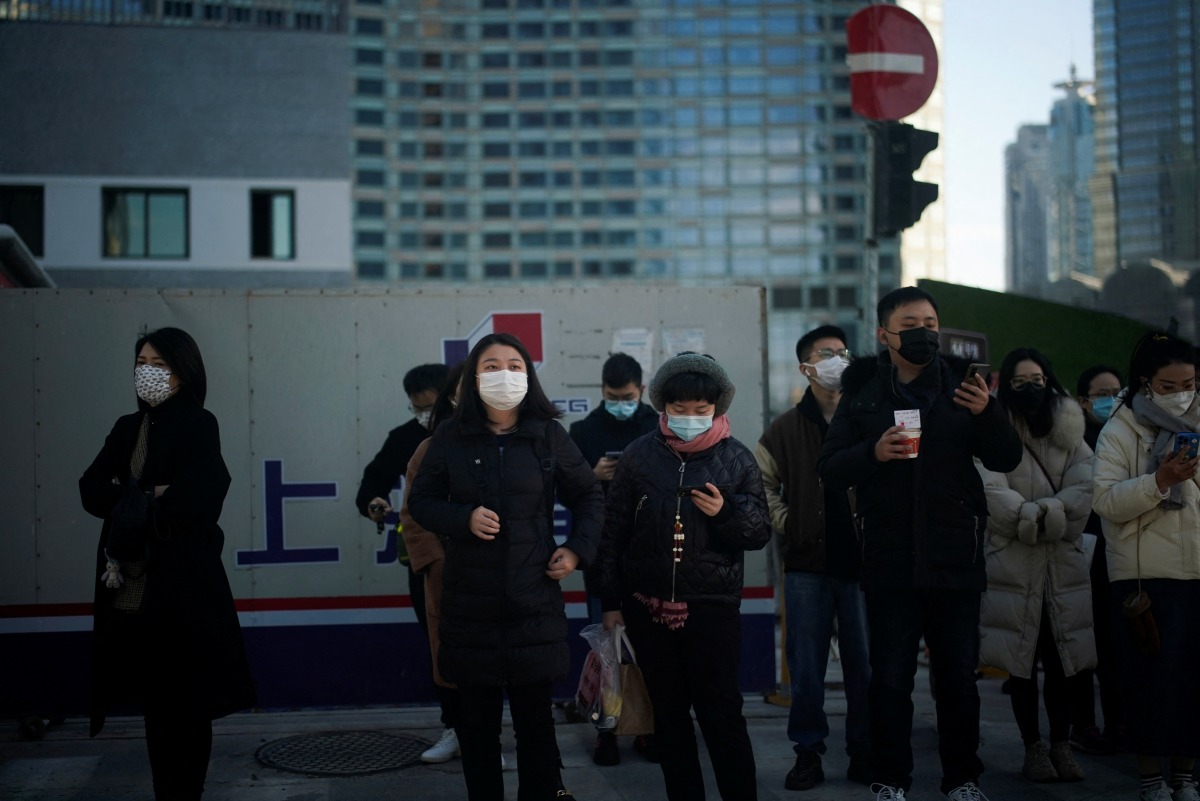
(1039, 604)
(1148, 498)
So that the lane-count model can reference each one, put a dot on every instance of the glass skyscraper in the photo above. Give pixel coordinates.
(1146, 192)
(595, 140)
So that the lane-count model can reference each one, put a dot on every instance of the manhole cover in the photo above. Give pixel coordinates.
(342, 753)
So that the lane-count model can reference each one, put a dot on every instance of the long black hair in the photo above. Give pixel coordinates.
(471, 409)
(1041, 419)
(182, 355)
(447, 399)
(1154, 351)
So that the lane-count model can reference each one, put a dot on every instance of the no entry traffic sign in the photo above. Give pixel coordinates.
(893, 62)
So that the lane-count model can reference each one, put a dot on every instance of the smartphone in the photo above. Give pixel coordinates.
(686, 492)
(1189, 442)
(612, 454)
(977, 368)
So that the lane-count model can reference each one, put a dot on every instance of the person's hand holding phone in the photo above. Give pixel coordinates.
(708, 502)
(605, 468)
(1179, 467)
(972, 394)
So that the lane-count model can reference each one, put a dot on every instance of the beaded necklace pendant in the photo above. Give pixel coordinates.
(677, 548)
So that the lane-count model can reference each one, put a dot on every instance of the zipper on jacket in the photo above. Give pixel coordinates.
(975, 534)
(641, 503)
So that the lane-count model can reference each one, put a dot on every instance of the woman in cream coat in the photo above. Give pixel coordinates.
(1149, 501)
(1038, 603)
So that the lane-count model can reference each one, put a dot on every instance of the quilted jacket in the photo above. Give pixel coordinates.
(635, 548)
(1030, 565)
(503, 620)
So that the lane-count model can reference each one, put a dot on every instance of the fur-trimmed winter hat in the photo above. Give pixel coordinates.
(693, 363)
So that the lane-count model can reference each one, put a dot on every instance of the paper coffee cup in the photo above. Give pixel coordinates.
(911, 442)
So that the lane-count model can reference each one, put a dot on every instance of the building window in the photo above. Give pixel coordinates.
(145, 223)
(272, 224)
(23, 207)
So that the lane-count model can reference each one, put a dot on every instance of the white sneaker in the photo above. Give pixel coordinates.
(1188, 792)
(445, 749)
(966, 792)
(1159, 792)
(885, 792)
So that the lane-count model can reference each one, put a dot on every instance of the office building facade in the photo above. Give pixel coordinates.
(613, 140)
(1146, 190)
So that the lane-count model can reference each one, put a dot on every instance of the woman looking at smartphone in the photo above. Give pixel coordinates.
(670, 567)
(1148, 499)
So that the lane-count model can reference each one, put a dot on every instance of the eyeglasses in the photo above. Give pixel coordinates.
(1019, 383)
(420, 409)
(829, 353)
(1104, 393)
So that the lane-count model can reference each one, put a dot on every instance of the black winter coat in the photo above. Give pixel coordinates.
(190, 639)
(922, 520)
(635, 551)
(383, 473)
(503, 620)
(600, 432)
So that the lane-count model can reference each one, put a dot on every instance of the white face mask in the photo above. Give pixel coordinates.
(829, 372)
(425, 418)
(1176, 402)
(153, 384)
(503, 389)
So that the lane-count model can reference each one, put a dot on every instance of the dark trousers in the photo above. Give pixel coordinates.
(1083, 712)
(949, 621)
(479, 739)
(179, 744)
(1058, 690)
(696, 667)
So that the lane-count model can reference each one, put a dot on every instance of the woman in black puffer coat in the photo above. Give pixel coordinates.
(487, 486)
(670, 567)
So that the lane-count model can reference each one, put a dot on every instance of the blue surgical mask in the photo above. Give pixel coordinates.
(1102, 407)
(620, 409)
(688, 427)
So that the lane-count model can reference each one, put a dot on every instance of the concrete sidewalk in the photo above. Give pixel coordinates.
(68, 766)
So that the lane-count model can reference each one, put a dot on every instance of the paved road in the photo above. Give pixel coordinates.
(68, 766)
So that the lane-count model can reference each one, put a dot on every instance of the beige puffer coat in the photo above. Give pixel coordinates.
(1027, 566)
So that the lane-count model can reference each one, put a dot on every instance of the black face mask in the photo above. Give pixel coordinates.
(1028, 400)
(917, 345)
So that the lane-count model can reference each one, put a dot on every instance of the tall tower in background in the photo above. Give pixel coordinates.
(1026, 209)
(1072, 163)
(567, 141)
(1146, 190)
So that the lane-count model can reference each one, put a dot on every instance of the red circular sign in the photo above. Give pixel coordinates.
(893, 62)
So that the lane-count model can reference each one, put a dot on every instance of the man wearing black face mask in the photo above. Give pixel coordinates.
(921, 518)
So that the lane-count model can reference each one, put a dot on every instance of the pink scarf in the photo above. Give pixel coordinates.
(718, 432)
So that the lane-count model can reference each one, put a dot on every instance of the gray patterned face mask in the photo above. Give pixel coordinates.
(153, 384)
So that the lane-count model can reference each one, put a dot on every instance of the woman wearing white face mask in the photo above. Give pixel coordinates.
(487, 486)
(685, 503)
(1147, 496)
(166, 634)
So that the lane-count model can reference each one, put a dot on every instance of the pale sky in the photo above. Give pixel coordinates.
(999, 64)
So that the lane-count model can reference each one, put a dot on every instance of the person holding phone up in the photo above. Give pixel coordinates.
(670, 568)
(1148, 498)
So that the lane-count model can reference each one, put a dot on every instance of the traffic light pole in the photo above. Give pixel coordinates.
(869, 297)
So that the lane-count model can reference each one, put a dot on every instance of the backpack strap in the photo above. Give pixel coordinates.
(544, 453)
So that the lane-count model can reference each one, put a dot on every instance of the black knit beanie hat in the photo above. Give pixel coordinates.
(693, 363)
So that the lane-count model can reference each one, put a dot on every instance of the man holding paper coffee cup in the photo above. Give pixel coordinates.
(910, 423)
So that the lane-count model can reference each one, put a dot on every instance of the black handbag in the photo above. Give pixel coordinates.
(127, 536)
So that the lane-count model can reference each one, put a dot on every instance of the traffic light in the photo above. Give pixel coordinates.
(899, 150)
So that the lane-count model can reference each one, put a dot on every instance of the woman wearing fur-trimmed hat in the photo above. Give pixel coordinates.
(684, 505)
